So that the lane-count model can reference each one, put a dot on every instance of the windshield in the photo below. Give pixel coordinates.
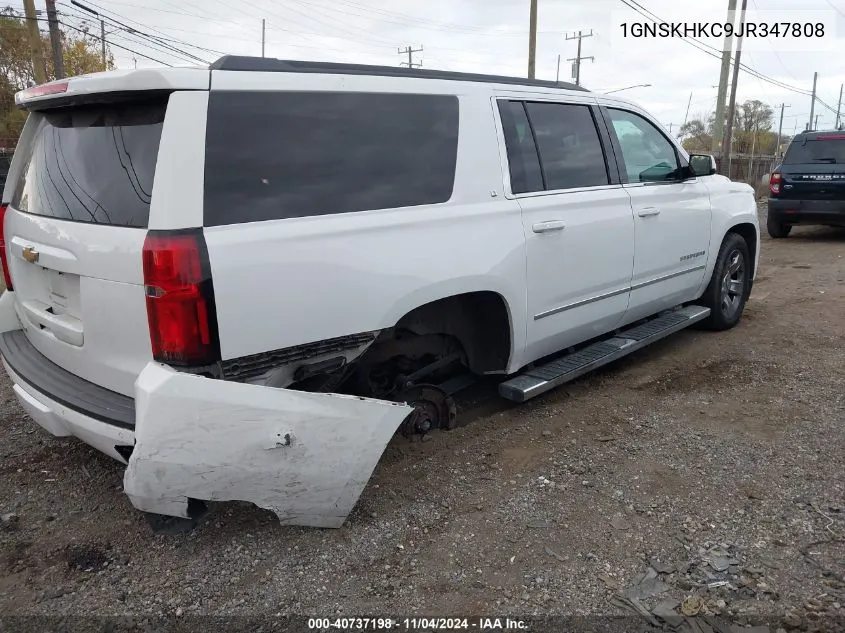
(820, 150)
(92, 163)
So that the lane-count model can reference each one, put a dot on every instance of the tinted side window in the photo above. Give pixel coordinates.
(570, 150)
(274, 155)
(648, 155)
(523, 162)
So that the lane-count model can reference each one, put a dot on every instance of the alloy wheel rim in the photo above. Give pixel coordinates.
(733, 284)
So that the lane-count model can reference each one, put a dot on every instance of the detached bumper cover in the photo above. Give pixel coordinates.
(304, 456)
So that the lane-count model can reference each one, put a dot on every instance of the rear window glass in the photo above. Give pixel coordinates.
(820, 150)
(276, 155)
(92, 163)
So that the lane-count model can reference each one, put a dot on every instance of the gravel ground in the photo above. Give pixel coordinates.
(705, 472)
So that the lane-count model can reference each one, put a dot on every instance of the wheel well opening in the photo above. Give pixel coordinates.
(478, 320)
(747, 232)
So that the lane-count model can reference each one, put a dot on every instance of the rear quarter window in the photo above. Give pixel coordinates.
(277, 155)
(93, 163)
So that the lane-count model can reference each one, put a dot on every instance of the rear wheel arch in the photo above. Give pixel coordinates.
(480, 320)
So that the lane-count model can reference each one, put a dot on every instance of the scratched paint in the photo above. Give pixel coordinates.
(304, 456)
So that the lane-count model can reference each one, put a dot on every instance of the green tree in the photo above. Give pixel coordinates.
(753, 132)
(697, 136)
(81, 52)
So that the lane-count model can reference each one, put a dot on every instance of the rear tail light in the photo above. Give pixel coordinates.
(6, 276)
(775, 181)
(180, 298)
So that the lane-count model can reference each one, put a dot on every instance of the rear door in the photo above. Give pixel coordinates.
(577, 221)
(814, 168)
(78, 212)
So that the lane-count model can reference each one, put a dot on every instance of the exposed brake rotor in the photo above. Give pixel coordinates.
(433, 409)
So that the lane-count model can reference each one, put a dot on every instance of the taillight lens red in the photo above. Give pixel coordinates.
(775, 181)
(6, 276)
(180, 299)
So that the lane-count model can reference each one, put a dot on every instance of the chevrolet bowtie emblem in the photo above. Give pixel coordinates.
(30, 254)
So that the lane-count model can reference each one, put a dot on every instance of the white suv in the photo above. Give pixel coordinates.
(244, 280)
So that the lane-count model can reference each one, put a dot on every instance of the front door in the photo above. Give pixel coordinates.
(577, 221)
(671, 216)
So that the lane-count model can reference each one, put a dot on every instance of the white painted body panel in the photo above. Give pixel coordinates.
(671, 222)
(278, 284)
(300, 280)
(90, 275)
(733, 203)
(305, 456)
(568, 267)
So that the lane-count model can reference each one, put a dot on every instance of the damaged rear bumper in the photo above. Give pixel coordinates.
(305, 456)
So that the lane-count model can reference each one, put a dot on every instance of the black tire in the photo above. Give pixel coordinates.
(729, 286)
(776, 229)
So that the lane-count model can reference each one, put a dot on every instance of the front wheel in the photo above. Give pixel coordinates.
(729, 286)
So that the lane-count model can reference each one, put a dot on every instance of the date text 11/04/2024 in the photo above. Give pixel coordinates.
(416, 624)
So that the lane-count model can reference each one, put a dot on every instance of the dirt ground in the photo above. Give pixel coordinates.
(715, 460)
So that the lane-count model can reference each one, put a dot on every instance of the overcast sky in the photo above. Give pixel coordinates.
(492, 36)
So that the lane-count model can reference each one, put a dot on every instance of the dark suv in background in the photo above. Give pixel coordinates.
(809, 186)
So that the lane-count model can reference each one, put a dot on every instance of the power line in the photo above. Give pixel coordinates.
(712, 50)
(95, 37)
(127, 36)
(833, 6)
(173, 40)
(111, 43)
(133, 31)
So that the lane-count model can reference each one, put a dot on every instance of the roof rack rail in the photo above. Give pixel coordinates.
(268, 64)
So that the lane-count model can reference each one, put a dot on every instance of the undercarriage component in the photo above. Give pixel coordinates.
(433, 409)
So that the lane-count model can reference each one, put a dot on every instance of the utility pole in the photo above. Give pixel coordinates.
(816, 126)
(577, 59)
(557, 75)
(410, 53)
(719, 123)
(780, 127)
(839, 105)
(55, 40)
(813, 102)
(262, 37)
(689, 103)
(670, 128)
(751, 158)
(39, 70)
(727, 138)
(532, 38)
(103, 42)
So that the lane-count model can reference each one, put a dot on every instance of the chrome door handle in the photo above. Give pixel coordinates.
(547, 227)
(648, 211)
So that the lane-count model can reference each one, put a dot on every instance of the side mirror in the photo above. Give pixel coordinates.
(702, 165)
